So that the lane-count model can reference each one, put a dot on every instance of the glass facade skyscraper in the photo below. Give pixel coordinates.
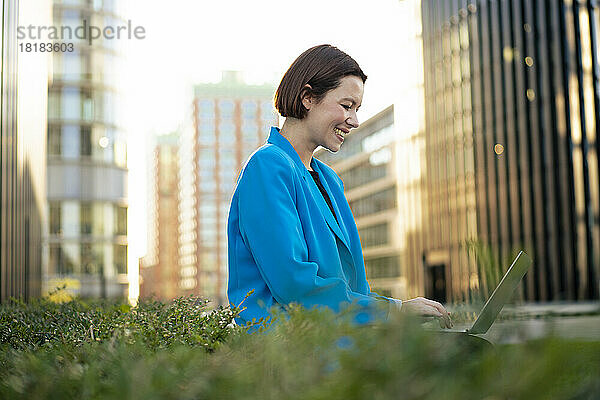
(87, 160)
(513, 111)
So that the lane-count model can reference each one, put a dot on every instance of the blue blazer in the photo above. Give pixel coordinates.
(285, 244)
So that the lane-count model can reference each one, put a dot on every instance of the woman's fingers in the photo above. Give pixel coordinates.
(423, 306)
(442, 323)
(445, 315)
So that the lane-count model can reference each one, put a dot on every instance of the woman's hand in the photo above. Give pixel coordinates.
(423, 306)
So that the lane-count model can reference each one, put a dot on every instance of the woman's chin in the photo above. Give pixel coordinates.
(334, 148)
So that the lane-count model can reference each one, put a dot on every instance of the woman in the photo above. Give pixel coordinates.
(291, 234)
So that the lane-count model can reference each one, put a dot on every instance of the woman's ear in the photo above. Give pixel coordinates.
(306, 96)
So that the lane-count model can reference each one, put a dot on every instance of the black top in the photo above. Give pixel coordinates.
(315, 176)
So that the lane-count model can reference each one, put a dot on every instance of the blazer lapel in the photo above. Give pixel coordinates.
(333, 199)
(324, 208)
(346, 255)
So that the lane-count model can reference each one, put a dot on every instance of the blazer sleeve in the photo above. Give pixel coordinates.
(271, 228)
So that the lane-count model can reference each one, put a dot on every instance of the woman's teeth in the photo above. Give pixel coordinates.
(339, 132)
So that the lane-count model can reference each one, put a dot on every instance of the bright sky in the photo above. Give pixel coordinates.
(191, 42)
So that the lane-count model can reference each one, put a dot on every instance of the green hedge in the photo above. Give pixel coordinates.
(151, 323)
(182, 351)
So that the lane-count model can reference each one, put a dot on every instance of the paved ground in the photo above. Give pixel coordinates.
(531, 321)
(581, 327)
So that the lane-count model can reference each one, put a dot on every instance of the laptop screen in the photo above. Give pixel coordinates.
(502, 294)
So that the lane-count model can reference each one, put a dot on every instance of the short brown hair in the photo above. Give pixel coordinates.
(322, 67)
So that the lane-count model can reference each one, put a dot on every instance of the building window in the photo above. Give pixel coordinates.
(207, 163)
(383, 267)
(379, 139)
(376, 235)
(69, 218)
(87, 104)
(70, 142)
(71, 65)
(85, 217)
(374, 203)
(70, 258)
(206, 132)
(226, 108)
(53, 105)
(106, 103)
(207, 127)
(54, 139)
(208, 185)
(227, 132)
(86, 65)
(98, 218)
(54, 218)
(207, 108)
(62, 260)
(121, 220)
(249, 130)
(92, 258)
(249, 109)
(120, 257)
(267, 111)
(70, 103)
(362, 174)
(85, 149)
(54, 259)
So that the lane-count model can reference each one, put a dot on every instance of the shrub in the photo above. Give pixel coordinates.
(306, 354)
(154, 324)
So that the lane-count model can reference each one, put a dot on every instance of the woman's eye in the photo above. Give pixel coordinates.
(346, 107)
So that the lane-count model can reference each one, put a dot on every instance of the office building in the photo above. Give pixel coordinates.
(512, 117)
(86, 161)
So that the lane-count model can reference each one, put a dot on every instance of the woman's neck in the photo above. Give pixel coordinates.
(294, 131)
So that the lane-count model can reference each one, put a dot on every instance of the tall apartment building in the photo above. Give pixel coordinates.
(230, 120)
(513, 116)
(86, 160)
(160, 267)
(23, 104)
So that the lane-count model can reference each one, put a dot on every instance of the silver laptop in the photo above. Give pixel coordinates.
(501, 295)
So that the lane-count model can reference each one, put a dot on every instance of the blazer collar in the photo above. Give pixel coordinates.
(276, 138)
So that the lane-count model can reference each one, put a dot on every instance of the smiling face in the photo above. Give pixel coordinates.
(330, 120)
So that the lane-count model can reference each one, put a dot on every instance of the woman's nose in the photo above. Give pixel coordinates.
(353, 120)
